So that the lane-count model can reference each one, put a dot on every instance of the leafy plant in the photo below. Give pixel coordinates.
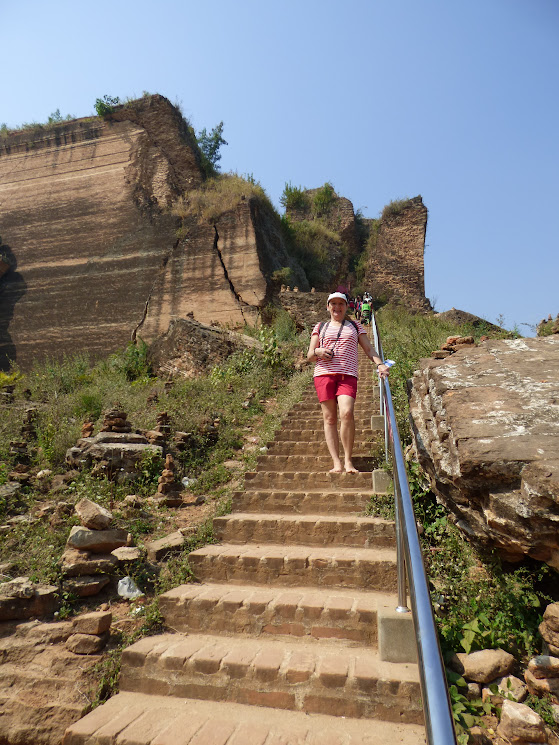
(270, 349)
(283, 276)
(106, 105)
(210, 144)
(323, 200)
(132, 362)
(149, 469)
(219, 195)
(317, 249)
(294, 198)
(395, 207)
(466, 713)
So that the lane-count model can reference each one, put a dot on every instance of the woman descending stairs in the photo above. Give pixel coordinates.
(278, 642)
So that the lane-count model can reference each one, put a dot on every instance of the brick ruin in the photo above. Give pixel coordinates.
(395, 270)
(91, 254)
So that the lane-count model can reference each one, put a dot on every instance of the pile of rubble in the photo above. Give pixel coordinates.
(115, 452)
(92, 555)
(548, 326)
(489, 676)
(90, 632)
(452, 345)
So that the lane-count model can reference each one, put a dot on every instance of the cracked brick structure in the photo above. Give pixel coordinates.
(90, 254)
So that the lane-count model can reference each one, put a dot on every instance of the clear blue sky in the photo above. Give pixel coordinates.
(386, 99)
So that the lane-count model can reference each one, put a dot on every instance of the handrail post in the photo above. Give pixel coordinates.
(400, 547)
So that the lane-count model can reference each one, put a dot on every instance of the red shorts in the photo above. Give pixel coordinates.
(329, 387)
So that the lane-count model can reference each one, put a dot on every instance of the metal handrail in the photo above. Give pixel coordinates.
(439, 723)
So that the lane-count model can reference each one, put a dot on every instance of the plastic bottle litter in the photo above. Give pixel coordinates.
(186, 482)
(128, 589)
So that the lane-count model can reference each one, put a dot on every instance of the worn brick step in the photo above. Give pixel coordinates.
(305, 480)
(314, 434)
(307, 409)
(311, 463)
(313, 421)
(285, 447)
(316, 613)
(288, 566)
(297, 675)
(310, 530)
(139, 719)
(302, 502)
(306, 419)
(14, 677)
(363, 405)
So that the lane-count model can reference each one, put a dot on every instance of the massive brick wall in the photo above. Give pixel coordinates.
(89, 248)
(89, 253)
(220, 272)
(83, 226)
(396, 268)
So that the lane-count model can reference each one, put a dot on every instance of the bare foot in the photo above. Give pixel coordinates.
(350, 468)
(336, 469)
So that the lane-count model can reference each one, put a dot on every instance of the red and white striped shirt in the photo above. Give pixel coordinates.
(344, 360)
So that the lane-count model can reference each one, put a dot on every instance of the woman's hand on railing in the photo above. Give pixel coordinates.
(383, 370)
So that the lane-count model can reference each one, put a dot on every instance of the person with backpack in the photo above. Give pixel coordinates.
(366, 311)
(333, 348)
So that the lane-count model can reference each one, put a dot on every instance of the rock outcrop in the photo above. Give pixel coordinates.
(46, 687)
(486, 429)
(190, 348)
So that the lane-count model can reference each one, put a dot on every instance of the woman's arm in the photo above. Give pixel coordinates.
(371, 353)
(318, 353)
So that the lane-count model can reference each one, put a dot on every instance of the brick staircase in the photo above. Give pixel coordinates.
(281, 641)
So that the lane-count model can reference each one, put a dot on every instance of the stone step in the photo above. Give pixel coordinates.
(316, 434)
(285, 447)
(313, 408)
(315, 421)
(362, 406)
(310, 530)
(347, 680)
(314, 613)
(311, 463)
(342, 502)
(139, 719)
(307, 481)
(289, 566)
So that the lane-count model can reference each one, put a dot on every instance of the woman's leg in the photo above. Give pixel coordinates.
(330, 416)
(347, 429)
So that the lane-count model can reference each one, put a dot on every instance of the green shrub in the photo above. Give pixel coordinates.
(210, 144)
(323, 200)
(132, 362)
(283, 276)
(218, 195)
(395, 207)
(294, 198)
(284, 326)
(106, 105)
(317, 249)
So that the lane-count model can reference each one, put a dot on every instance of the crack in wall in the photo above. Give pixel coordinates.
(162, 268)
(226, 274)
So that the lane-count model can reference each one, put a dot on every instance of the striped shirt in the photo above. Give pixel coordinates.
(344, 360)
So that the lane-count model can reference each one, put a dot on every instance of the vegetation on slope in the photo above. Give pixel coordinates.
(479, 602)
